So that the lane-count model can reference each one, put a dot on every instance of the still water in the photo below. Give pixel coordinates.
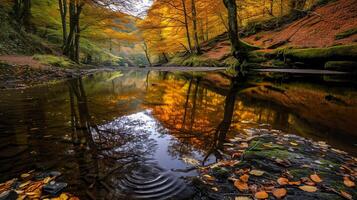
(139, 134)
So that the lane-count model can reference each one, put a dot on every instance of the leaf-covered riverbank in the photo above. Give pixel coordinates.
(274, 165)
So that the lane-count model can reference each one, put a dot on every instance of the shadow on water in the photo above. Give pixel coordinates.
(140, 134)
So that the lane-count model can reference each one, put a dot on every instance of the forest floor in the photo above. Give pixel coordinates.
(328, 25)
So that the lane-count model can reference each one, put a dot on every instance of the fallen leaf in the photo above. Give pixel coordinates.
(208, 177)
(236, 155)
(244, 145)
(279, 193)
(244, 178)
(308, 188)
(315, 178)
(215, 189)
(240, 185)
(256, 172)
(347, 181)
(242, 198)
(261, 195)
(294, 182)
(283, 181)
(294, 143)
(346, 195)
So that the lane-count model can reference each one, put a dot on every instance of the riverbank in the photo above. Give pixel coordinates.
(270, 164)
(25, 71)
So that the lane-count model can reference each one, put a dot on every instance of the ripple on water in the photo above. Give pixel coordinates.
(149, 181)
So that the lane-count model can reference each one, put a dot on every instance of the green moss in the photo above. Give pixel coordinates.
(341, 65)
(52, 60)
(194, 61)
(346, 34)
(343, 52)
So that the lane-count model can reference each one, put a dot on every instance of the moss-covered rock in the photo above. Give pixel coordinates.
(348, 66)
(320, 55)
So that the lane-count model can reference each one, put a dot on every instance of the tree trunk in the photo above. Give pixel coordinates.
(186, 26)
(71, 48)
(26, 15)
(238, 50)
(195, 32)
(63, 11)
(147, 53)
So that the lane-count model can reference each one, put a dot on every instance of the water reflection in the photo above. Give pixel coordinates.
(137, 134)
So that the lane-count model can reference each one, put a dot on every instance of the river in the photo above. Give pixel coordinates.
(137, 134)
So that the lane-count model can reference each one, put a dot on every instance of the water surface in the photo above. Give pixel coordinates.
(138, 134)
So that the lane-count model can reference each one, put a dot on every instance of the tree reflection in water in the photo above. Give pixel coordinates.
(103, 152)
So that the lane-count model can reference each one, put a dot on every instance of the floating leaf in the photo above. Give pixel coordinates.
(244, 178)
(261, 195)
(283, 181)
(308, 188)
(347, 181)
(256, 172)
(240, 185)
(279, 193)
(315, 178)
(346, 195)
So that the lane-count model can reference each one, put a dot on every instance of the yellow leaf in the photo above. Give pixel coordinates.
(294, 143)
(208, 177)
(24, 184)
(308, 188)
(256, 172)
(240, 185)
(315, 178)
(261, 195)
(347, 181)
(279, 193)
(283, 181)
(242, 198)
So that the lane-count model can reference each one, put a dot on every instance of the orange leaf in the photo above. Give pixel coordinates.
(315, 178)
(308, 188)
(295, 183)
(244, 178)
(241, 186)
(346, 195)
(347, 181)
(261, 195)
(283, 181)
(279, 193)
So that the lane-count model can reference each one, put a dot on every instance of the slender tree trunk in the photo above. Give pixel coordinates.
(281, 7)
(186, 26)
(63, 11)
(195, 32)
(146, 50)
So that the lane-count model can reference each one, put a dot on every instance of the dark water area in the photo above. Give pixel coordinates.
(138, 134)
